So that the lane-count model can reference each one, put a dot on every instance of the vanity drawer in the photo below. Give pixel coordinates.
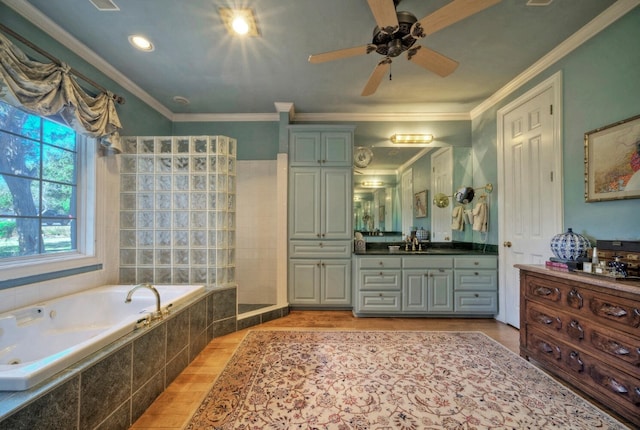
(476, 262)
(484, 302)
(427, 262)
(320, 249)
(476, 280)
(381, 263)
(382, 301)
(380, 280)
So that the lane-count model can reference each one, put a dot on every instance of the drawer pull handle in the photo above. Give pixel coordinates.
(575, 331)
(381, 263)
(575, 362)
(617, 387)
(381, 274)
(477, 295)
(574, 299)
(618, 349)
(543, 291)
(476, 263)
(614, 311)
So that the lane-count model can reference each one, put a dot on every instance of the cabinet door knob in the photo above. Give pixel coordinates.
(381, 263)
(476, 273)
(507, 244)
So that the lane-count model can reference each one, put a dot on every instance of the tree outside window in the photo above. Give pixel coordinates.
(38, 184)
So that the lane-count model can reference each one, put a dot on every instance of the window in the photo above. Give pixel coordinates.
(41, 161)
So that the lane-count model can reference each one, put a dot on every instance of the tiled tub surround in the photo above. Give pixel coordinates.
(40, 340)
(111, 388)
(177, 210)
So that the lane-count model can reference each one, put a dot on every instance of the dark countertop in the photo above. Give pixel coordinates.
(403, 253)
(430, 249)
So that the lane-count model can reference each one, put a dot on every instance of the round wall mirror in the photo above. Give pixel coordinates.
(464, 195)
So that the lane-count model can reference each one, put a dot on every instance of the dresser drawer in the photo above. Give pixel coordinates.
(380, 280)
(594, 305)
(476, 280)
(609, 345)
(382, 301)
(427, 262)
(380, 263)
(612, 387)
(320, 249)
(476, 262)
(481, 302)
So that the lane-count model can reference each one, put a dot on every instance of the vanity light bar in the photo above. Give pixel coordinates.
(411, 138)
(372, 184)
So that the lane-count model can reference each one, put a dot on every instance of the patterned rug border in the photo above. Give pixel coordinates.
(248, 337)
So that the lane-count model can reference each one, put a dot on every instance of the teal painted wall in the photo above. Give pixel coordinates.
(137, 117)
(601, 85)
(256, 140)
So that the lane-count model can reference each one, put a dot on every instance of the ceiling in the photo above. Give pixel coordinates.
(196, 59)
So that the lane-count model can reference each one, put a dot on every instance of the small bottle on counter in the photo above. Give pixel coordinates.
(594, 257)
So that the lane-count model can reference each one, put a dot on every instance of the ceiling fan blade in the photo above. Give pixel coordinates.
(432, 60)
(376, 77)
(385, 14)
(453, 12)
(342, 53)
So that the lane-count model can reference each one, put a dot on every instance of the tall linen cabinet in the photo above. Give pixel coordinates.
(320, 214)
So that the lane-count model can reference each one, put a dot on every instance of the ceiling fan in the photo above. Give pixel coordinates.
(397, 32)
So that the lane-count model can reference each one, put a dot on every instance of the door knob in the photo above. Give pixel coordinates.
(507, 244)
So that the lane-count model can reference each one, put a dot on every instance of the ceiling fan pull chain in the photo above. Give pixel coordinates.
(389, 71)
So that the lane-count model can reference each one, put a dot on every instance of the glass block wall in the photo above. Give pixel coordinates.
(177, 210)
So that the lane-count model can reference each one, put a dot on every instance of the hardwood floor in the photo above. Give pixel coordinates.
(176, 405)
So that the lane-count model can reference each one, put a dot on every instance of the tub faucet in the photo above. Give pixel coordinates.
(158, 313)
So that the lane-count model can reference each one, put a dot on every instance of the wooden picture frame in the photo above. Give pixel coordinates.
(612, 161)
(420, 204)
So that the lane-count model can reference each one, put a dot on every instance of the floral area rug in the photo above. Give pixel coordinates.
(387, 380)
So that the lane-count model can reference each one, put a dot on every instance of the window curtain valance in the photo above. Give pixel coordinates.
(49, 89)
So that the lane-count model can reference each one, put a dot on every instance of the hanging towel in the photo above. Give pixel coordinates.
(457, 222)
(468, 216)
(481, 217)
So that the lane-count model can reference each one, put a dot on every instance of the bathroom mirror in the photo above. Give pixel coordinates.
(377, 192)
(464, 195)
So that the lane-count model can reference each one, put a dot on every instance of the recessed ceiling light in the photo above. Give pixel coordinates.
(239, 21)
(141, 43)
(181, 100)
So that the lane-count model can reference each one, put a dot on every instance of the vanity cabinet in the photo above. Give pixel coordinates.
(320, 282)
(423, 285)
(320, 203)
(379, 284)
(476, 285)
(320, 148)
(427, 284)
(320, 222)
(586, 331)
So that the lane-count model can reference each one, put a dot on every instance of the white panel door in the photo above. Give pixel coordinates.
(530, 189)
(441, 182)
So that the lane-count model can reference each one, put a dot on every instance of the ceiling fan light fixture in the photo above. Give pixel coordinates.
(400, 138)
(239, 22)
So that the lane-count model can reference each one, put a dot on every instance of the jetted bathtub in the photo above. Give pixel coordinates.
(41, 340)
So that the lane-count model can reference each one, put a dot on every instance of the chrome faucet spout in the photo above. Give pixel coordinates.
(153, 290)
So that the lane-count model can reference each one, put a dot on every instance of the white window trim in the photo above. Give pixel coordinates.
(86, 253)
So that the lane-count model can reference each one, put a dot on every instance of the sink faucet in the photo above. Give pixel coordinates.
(150, 287)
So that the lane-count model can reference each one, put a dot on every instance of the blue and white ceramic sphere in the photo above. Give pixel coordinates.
(570, 246)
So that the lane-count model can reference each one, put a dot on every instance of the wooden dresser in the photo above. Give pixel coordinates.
(585, 330)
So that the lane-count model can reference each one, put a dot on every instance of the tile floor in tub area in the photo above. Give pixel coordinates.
(112, 388)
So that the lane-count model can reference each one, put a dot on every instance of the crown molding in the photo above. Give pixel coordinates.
(592, 28)
(382, 117)
(226, 117)
(41, 21)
